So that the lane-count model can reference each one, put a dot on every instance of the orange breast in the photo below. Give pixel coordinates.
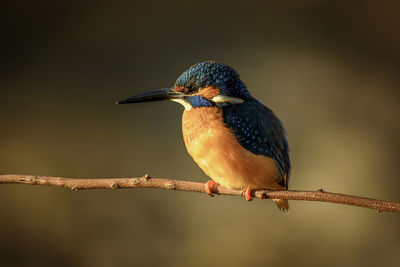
(218, 153)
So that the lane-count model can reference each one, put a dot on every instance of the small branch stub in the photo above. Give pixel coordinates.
(149, 182)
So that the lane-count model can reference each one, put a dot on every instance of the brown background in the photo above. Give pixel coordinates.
(329, 69)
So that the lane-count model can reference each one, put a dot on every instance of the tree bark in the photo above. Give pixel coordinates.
(179, 185)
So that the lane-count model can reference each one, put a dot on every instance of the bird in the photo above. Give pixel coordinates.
(235, 139)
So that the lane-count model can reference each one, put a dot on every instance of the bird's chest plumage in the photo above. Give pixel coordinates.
(216, 150)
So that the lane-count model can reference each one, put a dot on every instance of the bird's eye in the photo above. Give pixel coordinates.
(191, 89)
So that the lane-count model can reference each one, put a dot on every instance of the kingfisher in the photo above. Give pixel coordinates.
(236, 140)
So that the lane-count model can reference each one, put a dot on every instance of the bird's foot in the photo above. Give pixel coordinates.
(209, 187)
(247, 194)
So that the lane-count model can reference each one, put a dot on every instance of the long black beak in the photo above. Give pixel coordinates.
(157, 95)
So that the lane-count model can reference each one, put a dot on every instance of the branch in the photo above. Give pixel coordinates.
(148, 182)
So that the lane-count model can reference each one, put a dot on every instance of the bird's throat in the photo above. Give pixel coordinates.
(183, 102)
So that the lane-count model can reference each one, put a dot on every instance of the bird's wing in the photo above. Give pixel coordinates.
(258, 130)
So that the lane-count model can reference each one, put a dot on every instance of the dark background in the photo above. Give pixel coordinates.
(329, 69)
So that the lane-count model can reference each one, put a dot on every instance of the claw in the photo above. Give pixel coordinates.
(247, 194)
(209, 186)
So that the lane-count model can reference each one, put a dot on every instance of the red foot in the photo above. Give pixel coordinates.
(247, 194)
(209, 186)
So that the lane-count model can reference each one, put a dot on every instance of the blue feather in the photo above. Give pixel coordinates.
(258, 130)
(211, 73)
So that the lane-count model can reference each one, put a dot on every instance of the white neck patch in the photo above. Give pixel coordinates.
(227, 99)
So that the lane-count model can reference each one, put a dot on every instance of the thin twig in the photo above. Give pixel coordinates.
(148, 182)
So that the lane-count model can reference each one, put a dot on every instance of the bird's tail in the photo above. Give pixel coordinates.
(283, 204)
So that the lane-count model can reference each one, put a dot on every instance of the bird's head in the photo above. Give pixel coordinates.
(205, 84)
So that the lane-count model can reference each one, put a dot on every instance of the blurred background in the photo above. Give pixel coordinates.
(329, 69)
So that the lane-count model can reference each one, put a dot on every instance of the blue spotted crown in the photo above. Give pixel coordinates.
(211, 73)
